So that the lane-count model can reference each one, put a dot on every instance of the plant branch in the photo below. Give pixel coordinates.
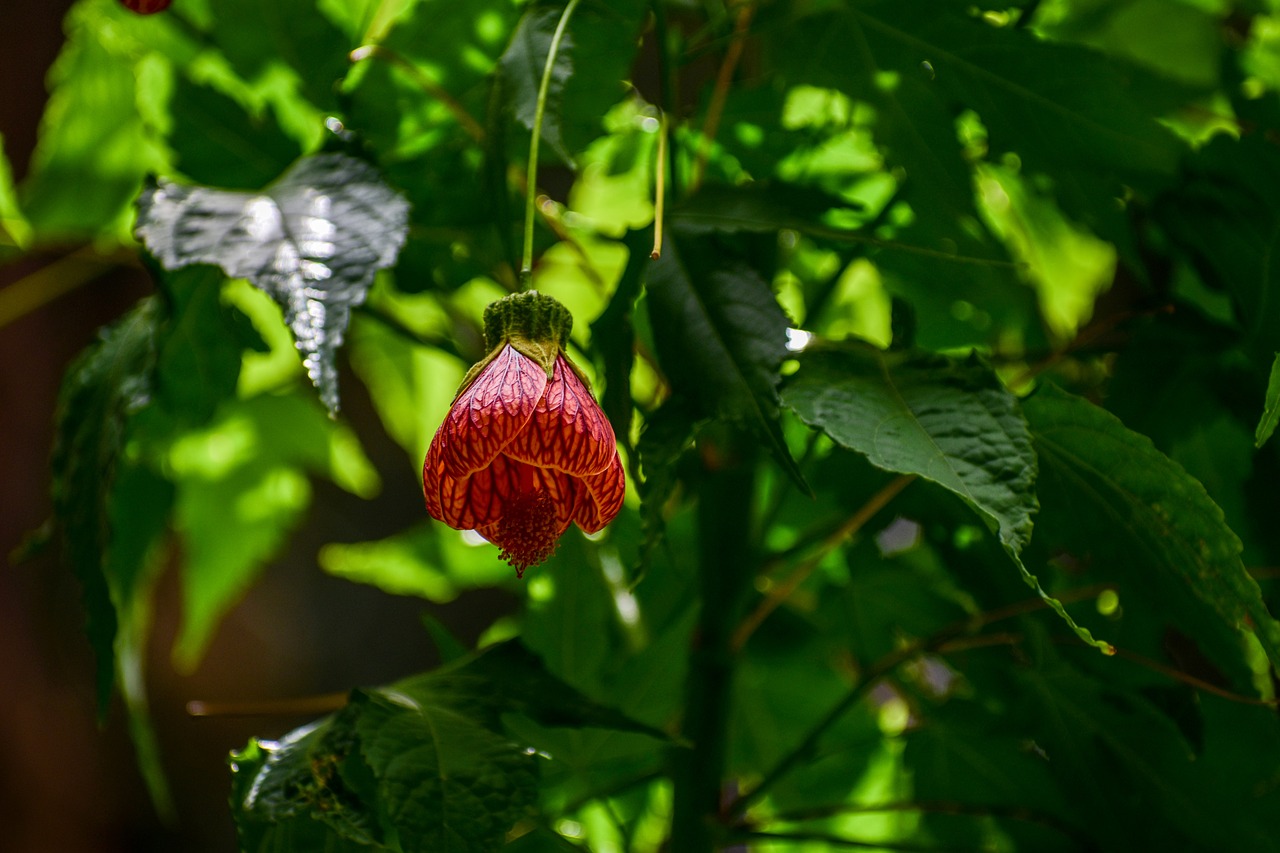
(526, 261)
(715, 109)
(783, 589)
(60, 276)
(839, 841)
(883, 667)
(322, 703)
(431, 87)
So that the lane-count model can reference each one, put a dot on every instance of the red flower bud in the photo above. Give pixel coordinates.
(146, 7)
(525, 449)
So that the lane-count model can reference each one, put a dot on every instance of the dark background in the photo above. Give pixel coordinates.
(65, 784)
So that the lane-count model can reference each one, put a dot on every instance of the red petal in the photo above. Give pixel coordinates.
(601, 497)
(568, 431)
(471, 502)
(490, 411)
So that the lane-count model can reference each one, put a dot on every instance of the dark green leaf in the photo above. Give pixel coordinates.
(613, 335)
(721, 338)
(313, 241)
(1271, 407)
(950, 422)
(765, 207)
(109, 383)
(1152, 504)
(217, 142)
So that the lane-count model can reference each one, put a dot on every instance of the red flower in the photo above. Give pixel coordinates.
(525, 448)
(146, 7)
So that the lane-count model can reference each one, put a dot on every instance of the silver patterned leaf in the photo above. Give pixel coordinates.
(313, 240)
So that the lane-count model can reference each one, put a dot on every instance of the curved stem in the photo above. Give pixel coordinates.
(531, 193)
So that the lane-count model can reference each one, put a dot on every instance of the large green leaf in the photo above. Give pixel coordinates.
(1149, 503)
(721, 337)
(950, 422)
(421, 765)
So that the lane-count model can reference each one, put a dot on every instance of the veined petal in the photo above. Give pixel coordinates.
(600, 497)
(568, 431)
(490, 412)
(478, 499)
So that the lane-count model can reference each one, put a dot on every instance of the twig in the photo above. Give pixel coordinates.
(60, 276)
(782, 590)
(431, 87)
(660, 186)
(715, 108)
(303, 705)
(883, 667)
(839, 841)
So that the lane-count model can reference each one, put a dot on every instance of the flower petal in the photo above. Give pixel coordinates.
(476, 500)
(490, 412)
(600, 497)
(568, 431)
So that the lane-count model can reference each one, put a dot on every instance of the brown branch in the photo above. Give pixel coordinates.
(784, 588)
(715, 109)
(323, 703)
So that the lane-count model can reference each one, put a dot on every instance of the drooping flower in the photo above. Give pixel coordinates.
(525, 449)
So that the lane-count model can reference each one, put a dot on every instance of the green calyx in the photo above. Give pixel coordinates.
(536, 325)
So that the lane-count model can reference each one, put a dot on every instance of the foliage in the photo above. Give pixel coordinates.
(949, 298)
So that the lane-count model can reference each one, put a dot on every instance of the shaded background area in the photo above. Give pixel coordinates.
(65, 784)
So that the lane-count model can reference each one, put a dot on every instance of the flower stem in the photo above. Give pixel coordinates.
(531, 183)
(660, 187)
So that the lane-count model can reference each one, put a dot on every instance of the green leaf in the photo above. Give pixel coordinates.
(1222, 216)
(598, 43)
(613, 334)
(256, 35)
(242, 488)
(217, 142)
(763, 207)
(313, 241)
(106, 385)
(1148, 501)
(1271, 410)
(424, 763)
(721, 338)
(952, 423)
(94, 148)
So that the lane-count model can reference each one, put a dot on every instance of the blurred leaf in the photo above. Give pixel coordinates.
(1271, 410)
(217, 142)
(425, 561)
(1152, 503)
(241, 490)
(542, 840)
(94, 148)
(522, 67)
(312, 240)
(106, 385)
(721, 338)
(15, 232)
(253, 35)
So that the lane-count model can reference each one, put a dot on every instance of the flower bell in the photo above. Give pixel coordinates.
(525, 449)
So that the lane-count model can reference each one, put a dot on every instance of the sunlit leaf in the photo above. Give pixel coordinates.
(313, 240)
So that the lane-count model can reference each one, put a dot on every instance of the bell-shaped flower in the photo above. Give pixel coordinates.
(525, 449)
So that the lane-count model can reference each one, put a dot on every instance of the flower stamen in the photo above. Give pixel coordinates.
(527, 533)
